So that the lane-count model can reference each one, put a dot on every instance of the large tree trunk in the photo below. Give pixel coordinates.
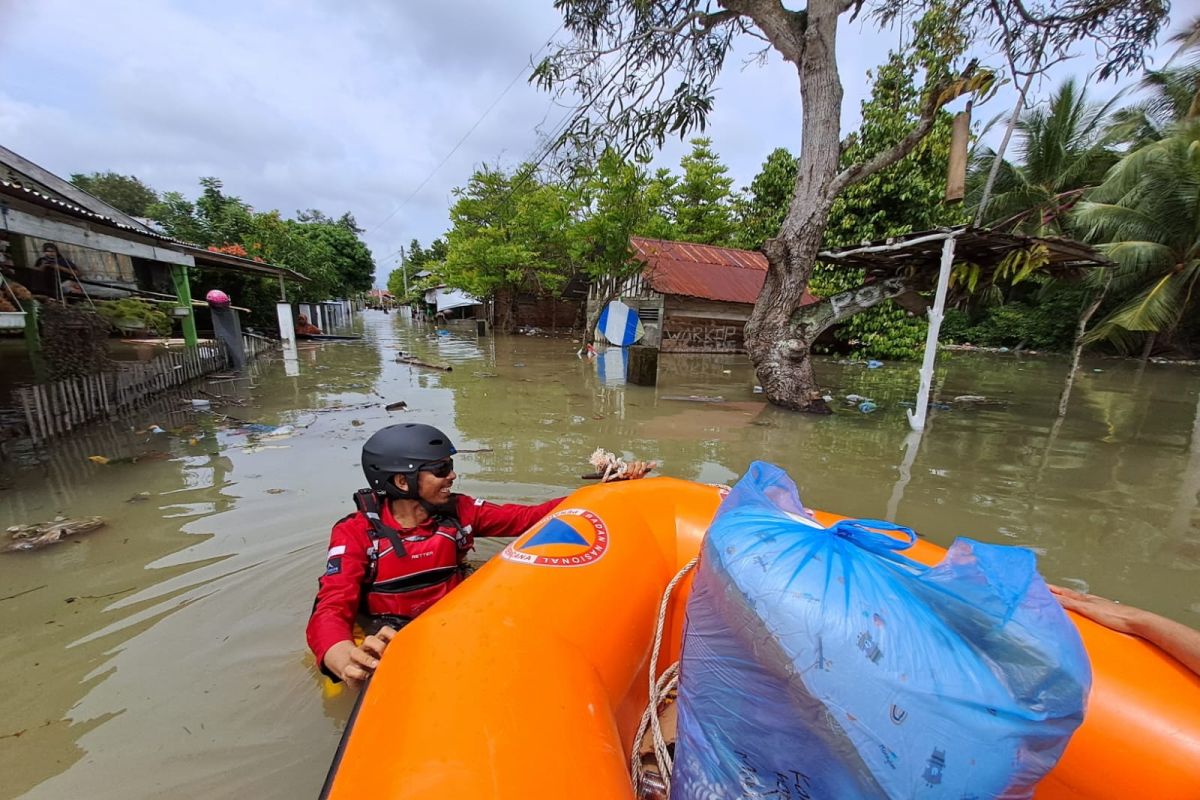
(781, 354)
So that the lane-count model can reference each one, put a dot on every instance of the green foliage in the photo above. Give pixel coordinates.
(119, 313)
(326, 250)
(885, 331)
(616, 202)
(763, 205)
(124, 192)
(703, 197)
(509, 232)
(1044, 318)
(1146, 214)
(1063, 150)
(906, 197)
(214, 219)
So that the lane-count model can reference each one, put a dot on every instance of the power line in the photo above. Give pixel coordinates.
(465, 136)
(552, 141)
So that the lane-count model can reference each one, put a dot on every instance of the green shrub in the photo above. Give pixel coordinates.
(117, 312)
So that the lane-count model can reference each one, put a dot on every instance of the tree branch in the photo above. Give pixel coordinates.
(937, 97)
(783, 27)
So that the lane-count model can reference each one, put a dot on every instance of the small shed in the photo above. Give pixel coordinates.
(691, 298)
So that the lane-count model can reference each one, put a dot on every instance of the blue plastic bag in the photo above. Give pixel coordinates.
(821, 663)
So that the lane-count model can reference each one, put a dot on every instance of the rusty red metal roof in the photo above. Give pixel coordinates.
(703, 270)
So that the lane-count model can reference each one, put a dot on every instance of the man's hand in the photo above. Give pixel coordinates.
(1108, 613)
(354, 664)
(633, 471)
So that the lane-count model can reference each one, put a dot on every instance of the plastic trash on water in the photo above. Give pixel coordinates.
(822, 663)
(866, 407)
(873, 364)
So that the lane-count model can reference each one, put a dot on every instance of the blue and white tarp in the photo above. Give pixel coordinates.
(612, 366)
(619, 324)
(823, 663)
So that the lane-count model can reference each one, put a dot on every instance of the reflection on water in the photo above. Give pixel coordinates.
(163, 656)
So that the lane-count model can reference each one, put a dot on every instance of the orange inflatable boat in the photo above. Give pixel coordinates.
(530, 679)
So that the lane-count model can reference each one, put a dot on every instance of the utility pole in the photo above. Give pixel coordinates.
(404, 271)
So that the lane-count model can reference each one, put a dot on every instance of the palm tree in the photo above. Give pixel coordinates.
(1174, 93)
(1062, 153)
(1146, 217)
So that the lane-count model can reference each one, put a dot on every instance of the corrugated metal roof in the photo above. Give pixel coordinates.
(703, 270)
(17, 189)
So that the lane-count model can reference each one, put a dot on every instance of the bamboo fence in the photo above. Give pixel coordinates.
(56, 408)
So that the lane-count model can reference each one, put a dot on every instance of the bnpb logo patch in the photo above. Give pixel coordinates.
(572, 537)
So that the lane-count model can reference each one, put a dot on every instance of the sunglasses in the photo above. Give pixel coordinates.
(441, 469)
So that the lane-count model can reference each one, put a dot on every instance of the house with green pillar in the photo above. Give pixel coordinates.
(60, 244)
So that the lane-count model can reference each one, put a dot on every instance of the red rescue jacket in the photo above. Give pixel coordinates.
(382, 574)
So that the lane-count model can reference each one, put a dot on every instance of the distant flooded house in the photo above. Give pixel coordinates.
(62, 248)
(691, 298)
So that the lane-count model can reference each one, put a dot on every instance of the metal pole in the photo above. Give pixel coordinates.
(917, 419)
(403, 271)
(183, 293)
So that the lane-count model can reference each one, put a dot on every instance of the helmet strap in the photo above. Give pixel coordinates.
(394, 492)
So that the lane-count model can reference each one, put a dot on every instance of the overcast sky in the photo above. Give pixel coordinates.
(336, 106)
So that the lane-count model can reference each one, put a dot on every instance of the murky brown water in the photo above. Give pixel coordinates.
(164, 656)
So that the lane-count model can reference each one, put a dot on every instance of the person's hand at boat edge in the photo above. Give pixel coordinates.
(1176, 639)
(633, 470)
(1109, 613)
(355, 663)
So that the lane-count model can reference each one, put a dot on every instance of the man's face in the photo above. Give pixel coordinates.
(434, 489)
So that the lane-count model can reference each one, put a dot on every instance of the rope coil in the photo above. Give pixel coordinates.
(660, 688)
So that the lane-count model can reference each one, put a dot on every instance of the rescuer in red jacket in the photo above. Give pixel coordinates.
(405, 548)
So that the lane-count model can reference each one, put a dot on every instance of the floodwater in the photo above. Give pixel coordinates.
(164, 655)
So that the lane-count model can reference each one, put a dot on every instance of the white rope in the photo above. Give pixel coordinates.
(659, 689)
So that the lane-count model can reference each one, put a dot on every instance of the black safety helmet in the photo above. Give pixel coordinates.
(402, 450)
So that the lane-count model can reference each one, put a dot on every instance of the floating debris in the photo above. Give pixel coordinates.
(399, 405)
(39, 535)
(695, 398)
(416, 362)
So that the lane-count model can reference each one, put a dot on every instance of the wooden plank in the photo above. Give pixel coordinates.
(26, 403)
(41, 412)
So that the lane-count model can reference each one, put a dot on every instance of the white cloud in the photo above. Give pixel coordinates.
(333, 106)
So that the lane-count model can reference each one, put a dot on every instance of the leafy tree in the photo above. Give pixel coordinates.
(644, 71)
(616, 205)
(905, 197)
(509, 233)
(351, 260)
(763, 205)
(124, 192)
(1063, 153)
(346, 220)
(1147, 215)
(702, 199)
(213, 219)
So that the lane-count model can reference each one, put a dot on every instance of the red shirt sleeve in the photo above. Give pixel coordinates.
(509, 519)
(339, 590)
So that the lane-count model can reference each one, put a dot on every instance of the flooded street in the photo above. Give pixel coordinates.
(164, 655)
